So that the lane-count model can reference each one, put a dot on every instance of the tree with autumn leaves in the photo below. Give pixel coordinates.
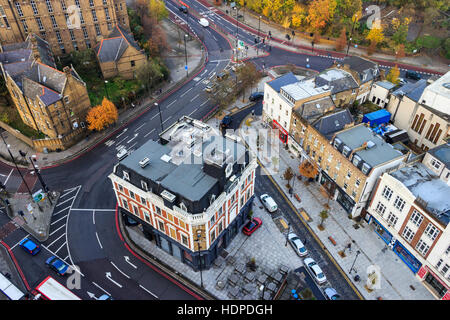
(101, 116)
(393, 75)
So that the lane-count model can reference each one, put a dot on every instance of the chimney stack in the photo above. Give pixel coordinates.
(34, 49)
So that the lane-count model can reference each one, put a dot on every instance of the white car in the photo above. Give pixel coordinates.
(331, 294)
(122, 154)
(297, 244)
(203, 22)
(315, 271)
(269, 203)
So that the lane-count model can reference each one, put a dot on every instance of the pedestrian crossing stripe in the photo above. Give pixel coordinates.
(109, 143)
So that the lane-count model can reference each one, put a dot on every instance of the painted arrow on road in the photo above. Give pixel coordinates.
(135, 135)
(127, 259)
(92, 296)
(108, 276)
(124, 130)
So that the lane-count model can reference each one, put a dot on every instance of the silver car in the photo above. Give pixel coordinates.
(315, 271)
(297, 244)
(331, 294)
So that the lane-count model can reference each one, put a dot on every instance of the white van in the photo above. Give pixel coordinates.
(203, 22)
(269, 203)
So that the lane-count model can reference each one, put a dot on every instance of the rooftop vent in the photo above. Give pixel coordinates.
(166, 158)
(168, 196)
(370, 144)
(144, 162)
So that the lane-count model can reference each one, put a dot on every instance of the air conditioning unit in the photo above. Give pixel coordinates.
(144, 162)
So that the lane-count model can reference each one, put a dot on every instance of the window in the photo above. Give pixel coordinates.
(125, 203)
(25, 26)
(353, 194)
(345, 186)
(158, 210)
(81, 18)
(422, 247)
(213, 235)
(183, 206)
(107, 14)
(146, 216)
(85, 33)
(346, 151)
(408, 234)
(338, 165)
(91, 3)
(445, 269)
(33, 6)
(161, 226)
(143, 201)
(212, 220)
(94, 15)
(39, 23)
(72, 35)
(356, 160)
(399, 203)
(132, 194)
(431, 231)
(438, 264)
(97, 30)
(184, 240)
(392, 219)
(448, 250)
(49, 6)
(349, 174)
(416, 218)
(19, 9)
(381, 208)
(219, 212)
(126, 176)
(55, 25)
(435, 164)
(136, 211)
(330, 158)
(105, 2)
(120, 187)
(77, 2)
(144, 185)
(58, 36)
(63, 5)
(132, 63)
(109, 25)
(357, 183)
(365, 168)
(387, 193)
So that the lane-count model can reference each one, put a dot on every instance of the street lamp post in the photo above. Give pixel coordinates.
(357, 253)
(199, 235)
(106, 89)
(354, 18)
(38, 174)
(185, 55)
(259, 25)
(160, 116)
(20, 173)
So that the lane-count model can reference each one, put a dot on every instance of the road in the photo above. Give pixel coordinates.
(84, 230)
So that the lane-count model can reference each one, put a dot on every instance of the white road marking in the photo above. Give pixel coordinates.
(55, 214)
(154, 116)
(127, 259)
(64, 201)
(118, 143)
(204, 102)
(167, 119)
(149, 292)
(7, 178)
(139, 127)
(56, 240)
(61, 247)
(195, 97)
(149, 133)
(93, 217)
(171, 104)
(58, 220)
(186, 91)
(190, 114)
(56, 230)
(108, 276)
(83, 209)
(124, 130)
(18, 243)
(98, 239)
(101, 288)
(119, 270)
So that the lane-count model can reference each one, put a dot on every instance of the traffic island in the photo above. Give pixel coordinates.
(34, 216)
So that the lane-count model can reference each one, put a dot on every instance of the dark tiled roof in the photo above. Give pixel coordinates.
(112, 48)
(337, 85)
(47, 76)
(363, 67)
(283, 80)
(19, 55)
(330, 124)
(412, 90)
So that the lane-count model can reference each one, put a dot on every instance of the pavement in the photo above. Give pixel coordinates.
(396, 280)
(175, 61)
(302, 42)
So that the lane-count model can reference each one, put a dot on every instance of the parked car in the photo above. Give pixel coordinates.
(122, 154)
(402, 81)
(210, 87)
(30, 246)
(251, 226)
(226, 121)
(105, 297)
(269, 203)
(203, 22)
(255, 96)
(331, 294)
(413, 75)
(297, 244)
(236, 66)
(315, 271)
(183, 9)
(222, 76)
(57, 265)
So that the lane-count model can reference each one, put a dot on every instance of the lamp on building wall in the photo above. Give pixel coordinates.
(199, 236)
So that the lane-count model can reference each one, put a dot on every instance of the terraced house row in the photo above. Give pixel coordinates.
(67, 25)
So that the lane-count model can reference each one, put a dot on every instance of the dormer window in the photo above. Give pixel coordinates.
(183, 206)
(229, 170)
(365, 168)
(126, 175)
(356, 160)
(337, 143)
(346, 151)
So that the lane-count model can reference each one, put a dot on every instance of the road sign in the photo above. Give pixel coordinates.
(38, 196)
(185, 67)
(241, 44)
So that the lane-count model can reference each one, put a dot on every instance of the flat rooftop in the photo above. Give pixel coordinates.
(381, 151)
(432, 191)
(304, 89)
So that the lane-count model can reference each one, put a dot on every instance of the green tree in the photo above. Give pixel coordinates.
(150, 74)
(323, 216)
(393, 75)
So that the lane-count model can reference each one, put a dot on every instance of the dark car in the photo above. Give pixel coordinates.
(29, 246)
(255, 96)
(226, 121)
(222, 76)
(183, 9)
(413, 75)
(252, 226)
(57, 264)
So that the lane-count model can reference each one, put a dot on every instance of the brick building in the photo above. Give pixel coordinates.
(191, 191)
(48, 100)
(119, 54)
(410, 210)
(89, 21)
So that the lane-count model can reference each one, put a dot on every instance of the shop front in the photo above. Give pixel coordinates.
(345, 201)
(283, 134)
(385, 235)
(436, 285)
(407, 257)
(327, 183)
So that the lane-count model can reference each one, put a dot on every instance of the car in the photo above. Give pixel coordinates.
(402, 81)
(122, 154)
(222, 76)
(57, 265)
(105, 297)
(413, 75)
(331, 294)
(315, 271)
(251, 226)
(226, 121)
(297, 244)
(255, 96)
(236, 66)
(30, 246)
(269, 203)
(183, 9)
(203, 22)
(209, 87)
